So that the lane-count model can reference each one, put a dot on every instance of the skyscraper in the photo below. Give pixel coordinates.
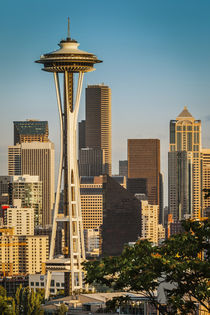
(91, 162)
(35, 158)
(144, 162)
(98, 121)
(30, 131)
(184, 167)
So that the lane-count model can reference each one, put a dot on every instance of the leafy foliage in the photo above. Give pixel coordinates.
(182, 261)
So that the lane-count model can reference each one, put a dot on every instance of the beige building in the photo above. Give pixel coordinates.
(98, 131)
(34, 254)
(20, 219)
(205, 155)
(22, 254)
(9, 252)
(29, 190)
(35, 159)
(92, 201)
(184, 171)
(149, 221)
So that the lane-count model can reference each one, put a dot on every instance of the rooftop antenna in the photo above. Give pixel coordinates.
(68, 28)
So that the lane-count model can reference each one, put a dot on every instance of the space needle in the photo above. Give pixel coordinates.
(72, 62)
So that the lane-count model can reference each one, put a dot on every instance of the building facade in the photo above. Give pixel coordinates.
(98, 121)
(91, 162)
(184, 171)
(35, 159)
(205, 156)
(29, 190)
(30, 131)
(144, 162)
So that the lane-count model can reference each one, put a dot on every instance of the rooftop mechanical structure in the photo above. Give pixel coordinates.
(69, 61)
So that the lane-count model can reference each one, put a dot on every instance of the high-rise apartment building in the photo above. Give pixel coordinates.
(29, 190)
(144, 162)
(98, 121)
(149, 221)
(21, 219)
(36, 159)
(30, 131)
(22, 254)
(184, 167)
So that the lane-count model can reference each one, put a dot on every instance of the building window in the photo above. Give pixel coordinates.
(52, 284)
(37, 284)
(57, 284)
(42, 284)
(32, 284)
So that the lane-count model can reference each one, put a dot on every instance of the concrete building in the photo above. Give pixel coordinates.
(21, 219)
(184, 171)
(30, 131)
(35, 159)
(22, 254)
(37, 281)
(91, 162)
(34, 254)
(98, 121)
(149, 221)
(9, 252)
(144, 162)
(29, 190)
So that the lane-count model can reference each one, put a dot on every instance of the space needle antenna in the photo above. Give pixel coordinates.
(68, 27)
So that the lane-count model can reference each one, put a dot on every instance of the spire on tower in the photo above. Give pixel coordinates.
(68, 36)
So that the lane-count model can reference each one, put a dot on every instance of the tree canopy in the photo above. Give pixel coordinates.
(182, 261)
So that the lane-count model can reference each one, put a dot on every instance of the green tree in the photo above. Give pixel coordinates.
(3, 291)
(179, 261)
(62, 309)
(28, 302)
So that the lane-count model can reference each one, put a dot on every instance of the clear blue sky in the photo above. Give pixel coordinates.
(156, 57)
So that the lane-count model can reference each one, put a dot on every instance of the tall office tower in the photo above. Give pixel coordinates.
(184, 167)
(82, 143)
(91, 162)
(29, 190)
(123, 168)
(137, 186)
(205, 154)
(121, 217)
(30, 131)
(98, 121)
(66, 62)
(36, 158)
(144, 162)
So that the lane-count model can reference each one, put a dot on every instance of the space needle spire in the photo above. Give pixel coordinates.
(67, 61)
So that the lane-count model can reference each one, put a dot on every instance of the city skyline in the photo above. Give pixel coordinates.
(156, 61)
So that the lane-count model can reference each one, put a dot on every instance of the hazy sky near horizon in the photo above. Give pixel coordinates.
(156, 59)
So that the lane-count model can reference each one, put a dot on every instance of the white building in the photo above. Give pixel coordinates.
(38, 281)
